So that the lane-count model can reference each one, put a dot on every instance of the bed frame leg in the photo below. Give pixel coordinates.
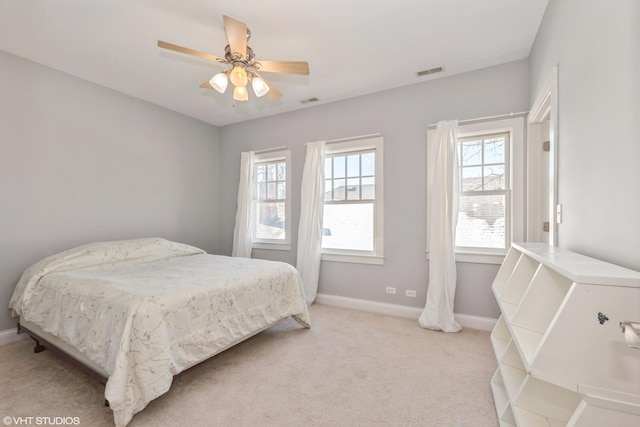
(39, 347)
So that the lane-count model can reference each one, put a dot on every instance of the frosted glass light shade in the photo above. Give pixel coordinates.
(260, 87)
(240, 93)
(219, 82)
(238, 76)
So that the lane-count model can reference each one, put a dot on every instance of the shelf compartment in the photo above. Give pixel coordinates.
(512, 371)
(505, 271)
(544, 404)
(539, 306)
(527, 342)
(597, 412)
(530, 419)
(519, 282)
(500, 337)
(501, 401)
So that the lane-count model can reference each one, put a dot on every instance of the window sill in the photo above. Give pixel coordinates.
(479, 257)
(272, 246)
(353, 258)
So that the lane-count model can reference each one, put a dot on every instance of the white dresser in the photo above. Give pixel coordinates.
(563, 357)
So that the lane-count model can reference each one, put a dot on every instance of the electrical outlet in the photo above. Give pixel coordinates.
(410, 293)
(391, 290)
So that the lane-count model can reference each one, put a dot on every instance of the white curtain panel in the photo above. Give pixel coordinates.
(442, 217)
(243, 231)
(311, 210)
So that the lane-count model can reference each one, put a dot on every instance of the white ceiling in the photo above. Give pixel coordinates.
(353, 47)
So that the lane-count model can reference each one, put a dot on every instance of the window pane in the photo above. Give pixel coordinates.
(472, 178)
(260, 173)
(353, 189)
(368, 188)
(262, 191)
(339, 167)
(471, 153)
(494, 150)
(282, 190)
(353, 165)
(327, 168)
(494, 177)
(481, 222)
(271, 172)
(270, 220)
(338, 189)
(348, 226)
(282, 171)
(271, 191)
(369, 164)
(327, 190)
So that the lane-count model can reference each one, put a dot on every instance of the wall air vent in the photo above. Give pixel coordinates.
(307, 101)
(431, 71)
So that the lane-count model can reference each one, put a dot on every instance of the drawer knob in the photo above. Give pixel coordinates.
(602, 318)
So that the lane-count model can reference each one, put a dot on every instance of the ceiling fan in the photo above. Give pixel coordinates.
(244, 68)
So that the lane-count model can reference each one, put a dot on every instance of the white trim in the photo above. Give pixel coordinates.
(546, 107)
(272, 246)
(353, 258)
(397, 310)
(517, 213)
(276, 155)
(376, 256)
(10, 336)
(478, 257)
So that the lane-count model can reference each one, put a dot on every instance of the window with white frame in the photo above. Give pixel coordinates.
(491, 183)
(353, 202)
(483, 219)
(272, 214)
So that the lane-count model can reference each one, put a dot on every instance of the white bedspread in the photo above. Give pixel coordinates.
(145, 310)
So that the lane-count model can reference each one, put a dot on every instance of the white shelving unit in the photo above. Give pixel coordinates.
(562, 357)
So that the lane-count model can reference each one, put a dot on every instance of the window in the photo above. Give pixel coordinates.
(352, 218)
(272, 228)
(492, 182)
(484, 196)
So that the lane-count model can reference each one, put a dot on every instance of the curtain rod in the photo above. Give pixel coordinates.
(351, 138)
(266, 150)
(482, 119)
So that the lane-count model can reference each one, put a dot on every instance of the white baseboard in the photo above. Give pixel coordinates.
(10, 336)
(465, 320)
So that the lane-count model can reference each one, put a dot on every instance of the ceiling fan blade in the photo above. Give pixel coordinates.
(273, 92)
(188, 51)
(289, 67)
(206, 85)
(236, 34)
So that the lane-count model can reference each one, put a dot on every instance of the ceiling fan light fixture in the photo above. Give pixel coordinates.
(240, 93)
(260, 87)
(238, 76)
(219, 82)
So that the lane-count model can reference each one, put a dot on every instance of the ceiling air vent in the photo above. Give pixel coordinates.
(431, 71)
(307, 101)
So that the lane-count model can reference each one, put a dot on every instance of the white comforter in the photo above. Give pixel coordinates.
(145, 310)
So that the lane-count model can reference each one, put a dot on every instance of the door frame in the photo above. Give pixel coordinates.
(544, 108)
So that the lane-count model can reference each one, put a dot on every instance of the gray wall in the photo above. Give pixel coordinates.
(596, 46)
(402, 116)
(81, 163)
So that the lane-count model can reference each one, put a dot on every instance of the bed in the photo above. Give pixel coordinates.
(140, 311)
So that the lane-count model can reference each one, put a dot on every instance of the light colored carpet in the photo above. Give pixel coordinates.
(351, 368)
